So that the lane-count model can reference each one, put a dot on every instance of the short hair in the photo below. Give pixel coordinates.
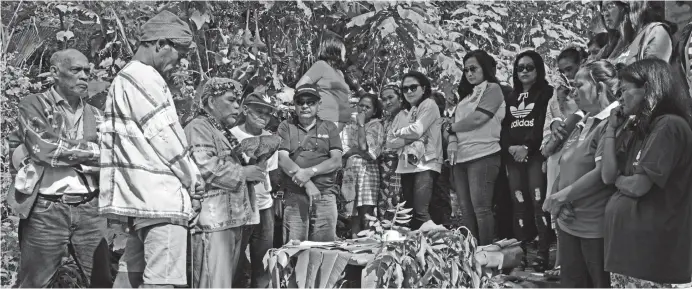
(600, 39)
(422, 80)
(61, 57)
(377, 108)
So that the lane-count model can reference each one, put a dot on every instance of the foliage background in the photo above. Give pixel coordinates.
(269, 45)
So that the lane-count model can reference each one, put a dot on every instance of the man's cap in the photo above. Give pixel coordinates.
(258, 99)
(167, 25)
(307, 90)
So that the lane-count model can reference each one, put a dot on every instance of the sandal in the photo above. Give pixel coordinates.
(553, 274)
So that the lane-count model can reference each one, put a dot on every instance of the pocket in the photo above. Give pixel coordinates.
(42, 206)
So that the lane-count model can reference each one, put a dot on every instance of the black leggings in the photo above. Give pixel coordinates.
(527, 187)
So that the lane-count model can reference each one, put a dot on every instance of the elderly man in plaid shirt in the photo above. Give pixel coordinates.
(57, 183)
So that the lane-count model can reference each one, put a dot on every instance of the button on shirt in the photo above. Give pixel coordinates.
(309, 147)
(64, 180)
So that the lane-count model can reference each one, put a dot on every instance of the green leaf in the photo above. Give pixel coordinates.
(360, 20)
(537, 41)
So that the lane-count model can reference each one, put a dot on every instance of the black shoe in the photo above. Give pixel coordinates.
(540, 264)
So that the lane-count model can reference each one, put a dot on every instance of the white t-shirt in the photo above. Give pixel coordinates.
(264, 198)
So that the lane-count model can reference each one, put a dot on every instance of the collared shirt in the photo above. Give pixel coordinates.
(309, 147)
(65, 180)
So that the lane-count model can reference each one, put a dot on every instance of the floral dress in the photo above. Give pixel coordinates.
(361, 180)
(390, 181)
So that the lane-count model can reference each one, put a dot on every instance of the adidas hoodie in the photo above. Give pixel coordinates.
(524, 118)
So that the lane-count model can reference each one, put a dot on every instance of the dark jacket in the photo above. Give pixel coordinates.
(524, 118)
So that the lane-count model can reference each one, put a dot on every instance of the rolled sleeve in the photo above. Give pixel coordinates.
(491, 100)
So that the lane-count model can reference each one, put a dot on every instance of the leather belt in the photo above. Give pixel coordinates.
(70, 199)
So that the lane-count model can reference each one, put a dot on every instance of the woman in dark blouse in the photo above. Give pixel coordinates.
(647, 157)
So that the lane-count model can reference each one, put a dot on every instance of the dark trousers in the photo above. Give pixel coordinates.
(260, 238)
(502, 204)
(582, 262)
(417, 189)
(440, 207)
(475, 184)
(527, 187)
(55, 228)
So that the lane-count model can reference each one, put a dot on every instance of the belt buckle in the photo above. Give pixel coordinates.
(72, 199)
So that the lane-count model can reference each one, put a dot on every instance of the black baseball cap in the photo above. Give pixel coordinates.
(307, 90)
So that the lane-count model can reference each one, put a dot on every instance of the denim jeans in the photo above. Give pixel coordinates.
(417, 189)
(527, 188)
(474, 183)
(310, 222)
(52, 230)
(582, 262)
(260, 238)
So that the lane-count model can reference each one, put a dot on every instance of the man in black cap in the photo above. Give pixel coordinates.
(309, 156)
(148, 176)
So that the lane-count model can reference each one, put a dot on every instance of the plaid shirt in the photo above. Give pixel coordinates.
(146, 169)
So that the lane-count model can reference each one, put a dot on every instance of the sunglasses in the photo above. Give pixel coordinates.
(411, 88)
(304, 102)
(471, 69)
(527, 68)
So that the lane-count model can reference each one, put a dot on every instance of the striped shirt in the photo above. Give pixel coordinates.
(146, 169)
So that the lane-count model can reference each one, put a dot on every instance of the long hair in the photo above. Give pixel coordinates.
(423, 81)
(621, 37)
(331, 49)
(677, 60)
(606, 72)
(487, 64)
(644, 12)
(600, 39)
(376, 105)
(663, 94)
(541, 82)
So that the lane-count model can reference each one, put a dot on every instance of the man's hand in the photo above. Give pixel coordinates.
(302, 176)
(558, 130)
(253, 173)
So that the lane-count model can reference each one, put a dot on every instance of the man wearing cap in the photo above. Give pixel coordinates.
(309, 155)
(147, 175)
(56, 188)
(259, 232)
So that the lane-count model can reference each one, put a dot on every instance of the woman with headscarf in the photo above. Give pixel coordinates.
(390, 181)
(226, 205)
(327, 75)
(580, 198)
(416, 133)
(474, 143)
(523, 135)
(637, 30)
(647, 157)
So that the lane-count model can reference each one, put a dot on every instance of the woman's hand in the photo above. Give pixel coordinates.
(553, 202)
(520, 153)
(617, 117)
(253, 173)
(360, 119)
(558, 130)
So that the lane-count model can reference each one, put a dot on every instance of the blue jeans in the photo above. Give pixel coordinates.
(260, 237)
(416, 190)
(305, 222)
(54, 229)
(474, 183)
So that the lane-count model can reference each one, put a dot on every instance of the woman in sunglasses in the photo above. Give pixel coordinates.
(560, 106)
(474, 143)
(647, 157)
(579, 203)
(416, 133)
(522, 137)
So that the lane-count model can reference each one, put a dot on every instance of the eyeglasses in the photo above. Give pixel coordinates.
(527, 68)
(471, 69)
(411, 88)
(304, 102)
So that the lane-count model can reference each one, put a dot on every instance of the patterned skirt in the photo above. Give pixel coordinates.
(390, 186)
(622, 281)
(362, 181)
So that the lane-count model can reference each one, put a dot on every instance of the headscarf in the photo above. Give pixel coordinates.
(167, 25)
(214, 87)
